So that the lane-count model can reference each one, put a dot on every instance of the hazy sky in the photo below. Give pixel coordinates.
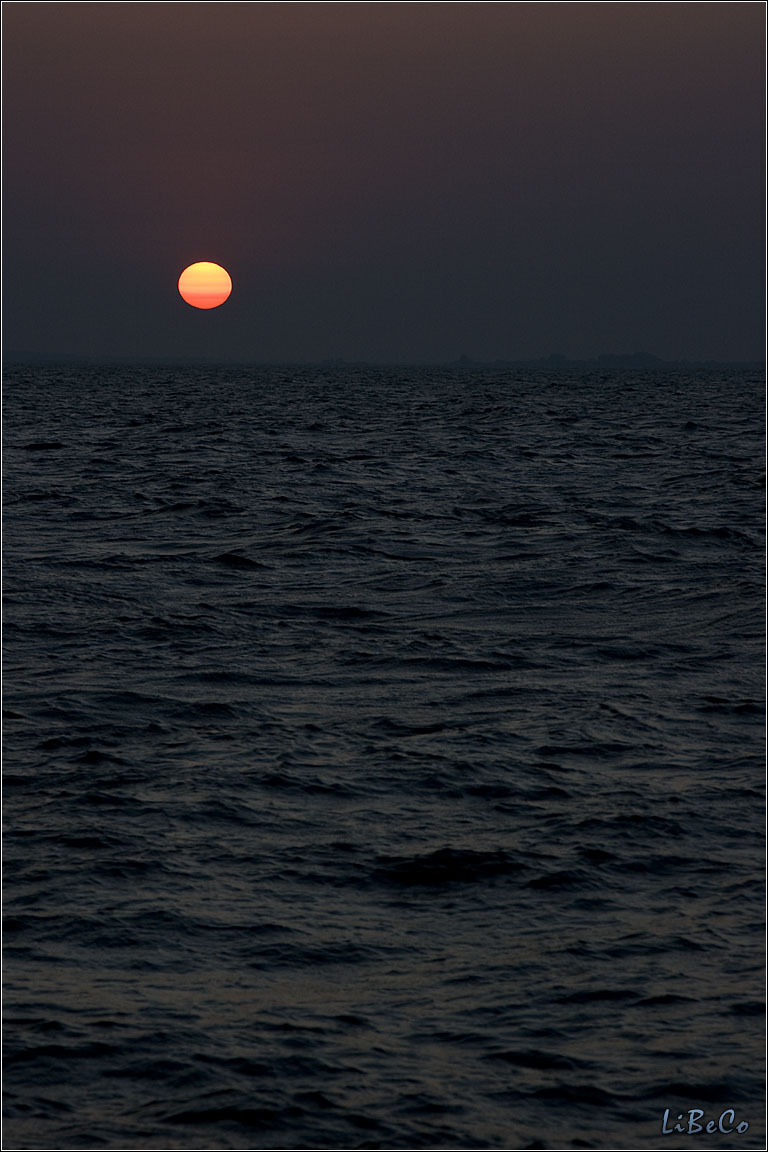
(385, 181)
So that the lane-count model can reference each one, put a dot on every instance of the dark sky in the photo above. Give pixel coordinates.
(385, 181)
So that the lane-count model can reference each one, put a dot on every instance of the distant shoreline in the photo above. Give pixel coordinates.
(552, 363)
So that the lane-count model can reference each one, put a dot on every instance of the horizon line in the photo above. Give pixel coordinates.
(551, 360)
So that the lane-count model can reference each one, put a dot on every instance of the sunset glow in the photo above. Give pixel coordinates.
(205, 285)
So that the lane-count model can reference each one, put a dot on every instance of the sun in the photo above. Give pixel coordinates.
(205, 285)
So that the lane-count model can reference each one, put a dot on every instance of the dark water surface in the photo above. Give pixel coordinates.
(383, 757)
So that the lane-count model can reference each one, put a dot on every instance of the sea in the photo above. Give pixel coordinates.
(383, 757)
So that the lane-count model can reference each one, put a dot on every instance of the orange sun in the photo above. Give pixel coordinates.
(205, 285)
